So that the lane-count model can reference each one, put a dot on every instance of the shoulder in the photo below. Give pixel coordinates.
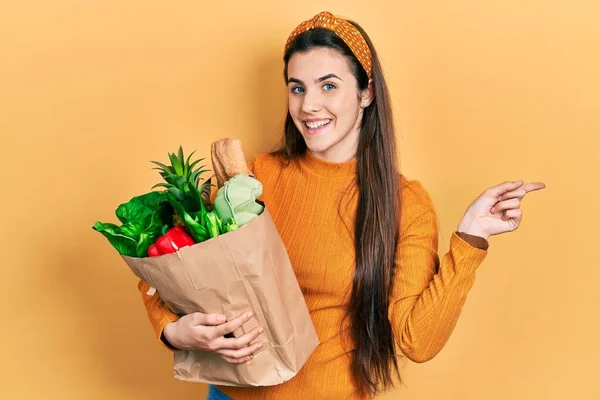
(415, 201)
(263, 163)
(414, 194)
(265, 159)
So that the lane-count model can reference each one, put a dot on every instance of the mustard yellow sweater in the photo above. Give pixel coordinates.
(428, 294)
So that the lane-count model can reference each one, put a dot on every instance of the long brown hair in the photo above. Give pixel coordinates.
(377, 216)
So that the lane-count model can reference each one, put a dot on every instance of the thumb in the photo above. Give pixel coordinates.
(199, 318)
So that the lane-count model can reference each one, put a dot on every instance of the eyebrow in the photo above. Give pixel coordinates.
(321, 79)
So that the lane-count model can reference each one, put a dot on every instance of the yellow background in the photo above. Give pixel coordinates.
(483, 91)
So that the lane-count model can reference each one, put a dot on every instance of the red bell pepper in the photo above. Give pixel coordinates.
(171, 241)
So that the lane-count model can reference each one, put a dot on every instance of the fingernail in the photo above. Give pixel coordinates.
(250, 314)
(259, 345)
(260, 330)
(221, 318)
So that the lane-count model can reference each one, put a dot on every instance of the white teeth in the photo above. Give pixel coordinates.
(317, 124)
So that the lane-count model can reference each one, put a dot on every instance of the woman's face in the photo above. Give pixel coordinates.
(325, 103)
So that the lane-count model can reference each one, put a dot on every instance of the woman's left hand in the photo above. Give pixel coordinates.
(497, 210)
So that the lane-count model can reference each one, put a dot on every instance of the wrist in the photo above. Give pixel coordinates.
(472, 228)
(167, 336)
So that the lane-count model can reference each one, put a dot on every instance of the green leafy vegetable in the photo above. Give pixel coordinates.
(180, 202)
(142, 219)
(212, 224)
(231, 226)
(194, 222)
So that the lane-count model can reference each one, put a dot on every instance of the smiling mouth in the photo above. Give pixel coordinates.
(317, 124)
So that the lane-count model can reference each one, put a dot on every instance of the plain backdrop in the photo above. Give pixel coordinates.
(483, 91)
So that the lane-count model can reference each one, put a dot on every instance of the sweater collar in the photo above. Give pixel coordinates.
(328, 168)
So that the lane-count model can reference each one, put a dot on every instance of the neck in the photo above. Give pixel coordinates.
(334, 158)
(329, 168)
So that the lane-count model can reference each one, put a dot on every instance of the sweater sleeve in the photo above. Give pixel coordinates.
(158, 312)
(429, 292)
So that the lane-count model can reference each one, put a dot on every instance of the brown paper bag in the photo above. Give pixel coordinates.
(246, 269)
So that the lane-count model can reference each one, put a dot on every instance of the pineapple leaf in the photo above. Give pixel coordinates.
(176, 164)
(162, 166)
(205, 186)
(194, 177)
(162, 171)
(182, 178)
(177, 193)
(192, 165)
(180, 181)
(195, 194)
(172, 179)
(180, 155)
(198, 173)
(188, 168)
(165, 185)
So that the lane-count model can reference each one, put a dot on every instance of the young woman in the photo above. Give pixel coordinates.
(363, 239)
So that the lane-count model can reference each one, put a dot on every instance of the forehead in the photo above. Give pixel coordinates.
(318, 62)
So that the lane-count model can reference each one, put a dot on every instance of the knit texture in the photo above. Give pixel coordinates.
(314, 214)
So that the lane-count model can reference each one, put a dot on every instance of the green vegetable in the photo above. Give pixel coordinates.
(231, 226)
(219, 223)
(193, 221)
(236, 199)
(182, 179)
(212, 224)
(181, 202)
(142, 219)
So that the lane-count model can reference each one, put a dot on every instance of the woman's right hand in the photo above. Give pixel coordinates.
(198, 331)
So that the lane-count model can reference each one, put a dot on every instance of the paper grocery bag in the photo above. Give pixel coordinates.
(246, 269)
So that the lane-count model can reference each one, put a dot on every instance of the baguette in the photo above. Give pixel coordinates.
(228, 159)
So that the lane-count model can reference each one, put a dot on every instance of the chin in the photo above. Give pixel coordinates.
(316, 148)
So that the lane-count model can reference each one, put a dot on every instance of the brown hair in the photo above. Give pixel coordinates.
(377, 216)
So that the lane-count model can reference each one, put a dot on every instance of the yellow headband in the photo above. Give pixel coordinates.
(345, 30)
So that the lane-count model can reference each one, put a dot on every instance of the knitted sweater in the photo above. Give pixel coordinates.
(429, 292)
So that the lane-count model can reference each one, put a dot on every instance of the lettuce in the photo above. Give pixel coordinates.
(142, 218)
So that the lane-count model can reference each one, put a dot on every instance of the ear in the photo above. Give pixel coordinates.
(368, 95)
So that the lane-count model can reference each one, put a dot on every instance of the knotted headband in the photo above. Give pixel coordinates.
(345, 30)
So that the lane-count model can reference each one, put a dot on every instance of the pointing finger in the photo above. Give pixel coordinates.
(499, 190)
(522, 190)
(533, 186)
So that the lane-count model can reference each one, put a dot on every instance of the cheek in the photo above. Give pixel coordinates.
(344, 109)
(294, 105)
(343, 103)
(295, 109)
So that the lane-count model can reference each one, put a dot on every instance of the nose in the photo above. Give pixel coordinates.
(312, 101)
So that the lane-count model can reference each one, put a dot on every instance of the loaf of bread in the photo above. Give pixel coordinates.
(228, 159)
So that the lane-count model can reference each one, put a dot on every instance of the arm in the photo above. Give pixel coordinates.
(158, 312)
(429, 293)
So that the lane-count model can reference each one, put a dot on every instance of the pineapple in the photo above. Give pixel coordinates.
(182, 181)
